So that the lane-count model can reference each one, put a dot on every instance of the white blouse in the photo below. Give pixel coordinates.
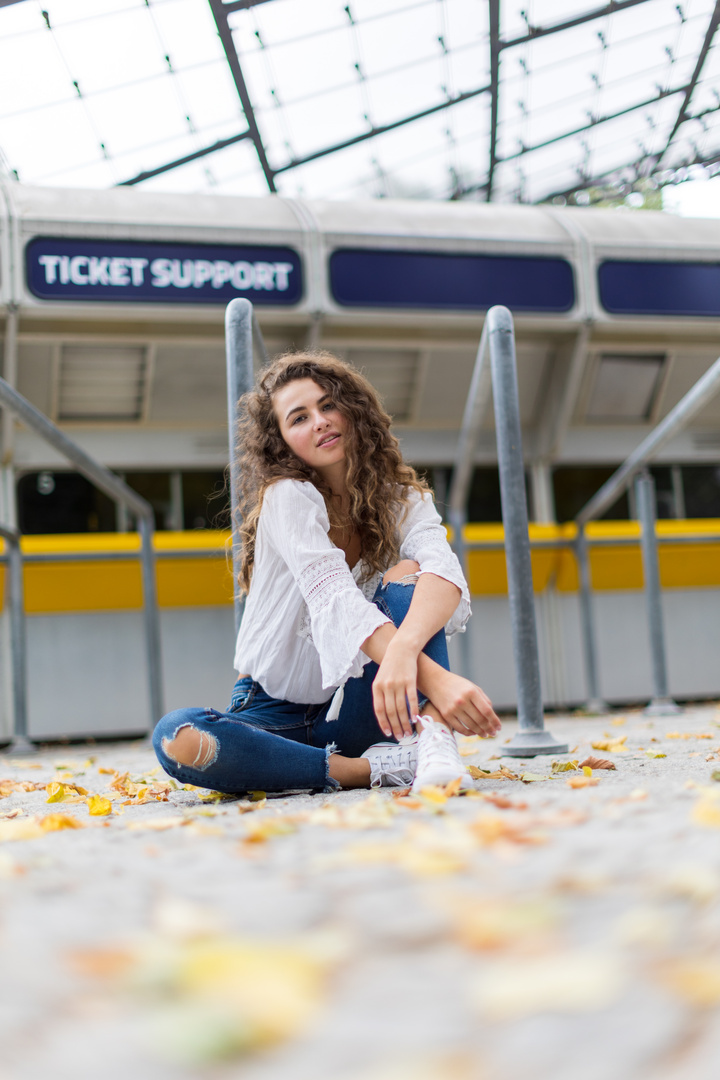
(306, 614)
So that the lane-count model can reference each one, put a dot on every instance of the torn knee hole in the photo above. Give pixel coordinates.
(403, 573)
(192, 747)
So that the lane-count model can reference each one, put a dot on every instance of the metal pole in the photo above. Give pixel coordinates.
(118, 490)
(151, 618)
(661, 704)
(595, 703)
(240, 327)
(531, 738)
(19, 744)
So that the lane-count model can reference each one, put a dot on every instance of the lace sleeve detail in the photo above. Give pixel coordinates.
(425, 541)
(340, 618)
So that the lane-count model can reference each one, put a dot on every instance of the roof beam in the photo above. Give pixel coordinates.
(494, 6)
(241, 5)
(594, 123)
(682, 115)
(220, 13)
(575, 131)
(375, 131)
(535, 32)
(219, 145)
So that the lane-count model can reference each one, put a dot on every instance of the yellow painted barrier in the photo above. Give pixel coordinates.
(201, 580)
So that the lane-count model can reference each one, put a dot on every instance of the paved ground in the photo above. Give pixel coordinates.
(535, 929)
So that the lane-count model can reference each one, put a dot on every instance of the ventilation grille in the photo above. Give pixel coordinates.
(392, 372)
(625, 387)
(101, 383)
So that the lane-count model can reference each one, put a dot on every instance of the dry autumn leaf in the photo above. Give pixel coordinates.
(495, 924)
(597, 763)
(582, 782)
(264, 829)
(11, 787)
(503, 773)
(611, 745)
(33, 827)
(706, 812)
(564, 766)
(98, 806)
(697, 980)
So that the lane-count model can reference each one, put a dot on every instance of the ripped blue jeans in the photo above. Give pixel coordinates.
(264, 744)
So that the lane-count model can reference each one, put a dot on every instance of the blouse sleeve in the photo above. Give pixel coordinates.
(423, 539)
(295, 523)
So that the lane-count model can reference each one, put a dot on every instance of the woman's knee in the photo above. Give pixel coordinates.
(404, 572)
(179, 739)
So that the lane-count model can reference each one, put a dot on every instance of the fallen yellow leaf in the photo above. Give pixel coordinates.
(564, 766)
(260, 831)
(697, 980)
(582, 781)
(98, 806)
(611, 745)
(706, 812)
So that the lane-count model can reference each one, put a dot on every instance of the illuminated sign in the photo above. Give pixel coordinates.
(158, 273)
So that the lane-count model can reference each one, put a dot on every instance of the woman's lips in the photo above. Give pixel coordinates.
(329, 440)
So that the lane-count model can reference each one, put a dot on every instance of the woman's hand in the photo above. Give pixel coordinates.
(395, 688)
(463, 705)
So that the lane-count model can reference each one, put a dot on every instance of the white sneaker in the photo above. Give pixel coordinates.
(439, 760)
(393, 764)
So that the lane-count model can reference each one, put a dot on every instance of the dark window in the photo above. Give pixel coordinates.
(701, 484)
(62, 502)
(484, 503)
(206, 500)
(575, 485)
(155, 487)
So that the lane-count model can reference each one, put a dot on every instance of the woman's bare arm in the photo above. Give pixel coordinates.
(403, 666)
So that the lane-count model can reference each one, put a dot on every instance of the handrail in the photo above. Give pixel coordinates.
(18, 643)
(498, 341)
(682, 413)
(119, 491)
(242, 333)
(634, 467)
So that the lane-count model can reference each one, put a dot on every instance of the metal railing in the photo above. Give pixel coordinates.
(116, 489)
(498, 343)
(634, 467)
(242, 335)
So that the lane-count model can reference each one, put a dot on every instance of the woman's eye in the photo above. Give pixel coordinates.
(329, 405)
(297, 420)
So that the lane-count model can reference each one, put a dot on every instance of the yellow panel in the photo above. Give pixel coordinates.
(193, 582)
(689, 566)
(188, 581)
(89, 586)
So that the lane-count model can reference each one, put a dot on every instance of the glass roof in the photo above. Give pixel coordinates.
(515, 100)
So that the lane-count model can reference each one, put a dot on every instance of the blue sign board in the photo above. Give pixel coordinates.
(423, 279)
(158, 273)
(659, 288)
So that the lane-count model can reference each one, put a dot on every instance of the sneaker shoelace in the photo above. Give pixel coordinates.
(436, 740)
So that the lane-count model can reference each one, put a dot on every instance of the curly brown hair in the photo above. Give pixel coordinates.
(378, 480)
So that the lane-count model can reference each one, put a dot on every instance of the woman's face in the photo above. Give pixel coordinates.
(311, 423)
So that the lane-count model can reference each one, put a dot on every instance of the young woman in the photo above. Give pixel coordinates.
(351, 587)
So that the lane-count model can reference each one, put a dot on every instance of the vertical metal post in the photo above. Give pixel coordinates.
(117, 489)
(531, 738)
(151, 617)
(239, 357)
(595, 703)
(19, 744)
(661, 704)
